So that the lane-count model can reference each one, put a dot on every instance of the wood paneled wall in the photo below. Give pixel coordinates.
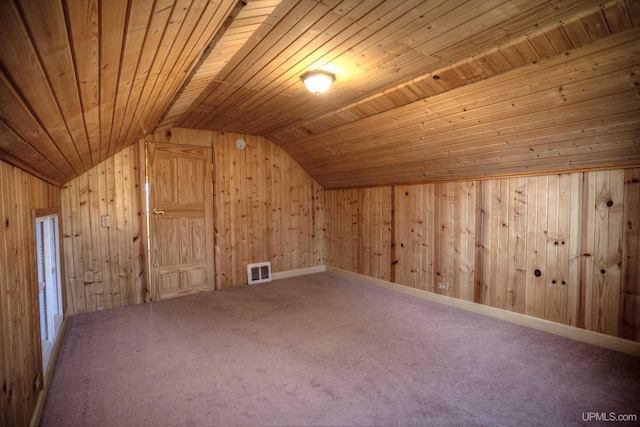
(434, 237)
(105, 266)
(21, 376)
(630, 291)
(530, 246)
(267, 208)
(557, 247)
(358, 230)
(603, 234)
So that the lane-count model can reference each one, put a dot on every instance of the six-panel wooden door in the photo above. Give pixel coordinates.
(180, 220)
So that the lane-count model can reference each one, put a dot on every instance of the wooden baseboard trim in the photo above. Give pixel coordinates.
(298, 272)
(42, 396)
(583, 335)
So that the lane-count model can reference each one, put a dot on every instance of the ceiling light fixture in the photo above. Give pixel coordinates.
(318, 81)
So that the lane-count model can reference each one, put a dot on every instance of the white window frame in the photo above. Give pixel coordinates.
(49, 282)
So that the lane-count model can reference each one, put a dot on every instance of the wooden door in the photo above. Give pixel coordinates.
(180, 219)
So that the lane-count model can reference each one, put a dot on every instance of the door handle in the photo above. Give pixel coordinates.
(157, 212)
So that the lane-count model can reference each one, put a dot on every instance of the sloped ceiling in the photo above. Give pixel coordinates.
(424, 91)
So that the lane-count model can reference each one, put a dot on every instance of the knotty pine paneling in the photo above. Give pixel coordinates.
(434, 237)
(563, 36)
(630, 292)
(84, 79)
(530, 246)
(455, 237)
(21, 376)
(558, 247)
(379, 51)
(358, 230)
(421, 236)
(602, 225)
(414, 236)
(105, 266)
(340, 219)
(530, 120)
(424, 91)
(266, 208)
(234, 33)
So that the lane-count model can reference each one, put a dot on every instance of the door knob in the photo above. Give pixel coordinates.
(157, 212)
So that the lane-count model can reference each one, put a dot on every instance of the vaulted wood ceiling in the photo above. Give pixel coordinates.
(424, 91)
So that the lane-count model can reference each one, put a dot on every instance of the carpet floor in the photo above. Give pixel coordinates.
(326, 350)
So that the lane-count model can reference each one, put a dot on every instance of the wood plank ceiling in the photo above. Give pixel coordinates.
(424, 91)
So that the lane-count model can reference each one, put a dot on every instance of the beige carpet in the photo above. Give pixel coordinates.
(325, 350)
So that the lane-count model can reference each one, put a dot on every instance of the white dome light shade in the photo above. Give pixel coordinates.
(318, 81)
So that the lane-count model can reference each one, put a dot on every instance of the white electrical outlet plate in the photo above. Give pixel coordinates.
(104, 221)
